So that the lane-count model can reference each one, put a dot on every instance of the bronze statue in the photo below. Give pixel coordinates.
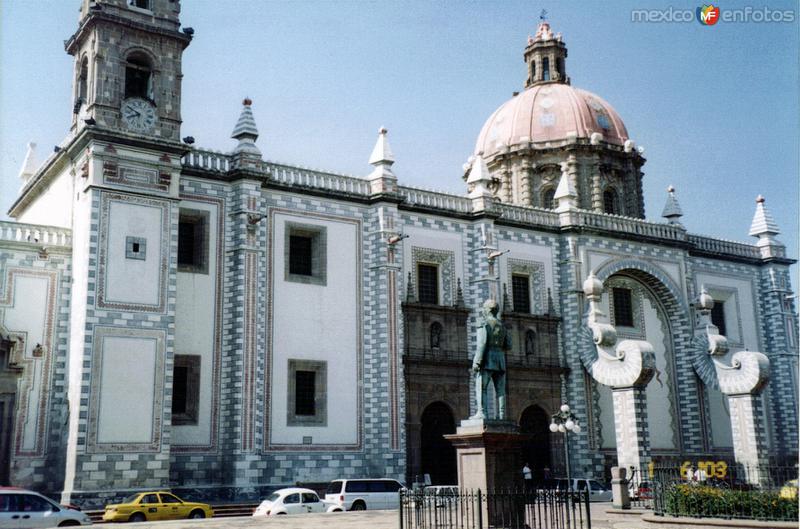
(489, 363)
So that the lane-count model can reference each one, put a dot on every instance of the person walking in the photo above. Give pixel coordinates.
(527, 477)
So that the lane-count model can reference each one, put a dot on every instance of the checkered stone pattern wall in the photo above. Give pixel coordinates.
(42, 467)
(193, 466)
(780, 345)
(99, 473)
(776, 315)
(630, 425)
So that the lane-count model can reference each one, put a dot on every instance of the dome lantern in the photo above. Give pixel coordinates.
(545, 55)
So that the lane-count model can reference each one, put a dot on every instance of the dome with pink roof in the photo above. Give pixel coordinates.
(550, 112)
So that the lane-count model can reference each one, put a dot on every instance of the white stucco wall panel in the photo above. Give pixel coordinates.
(738, 294)
(320, 323)
(195, 329)
(125, 278)
(53, 207)
(27, 315)
(127, 385)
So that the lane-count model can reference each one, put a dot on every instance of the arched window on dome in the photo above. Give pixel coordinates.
(611, 202)
(548, 198)
(546, 69)
(138, 76)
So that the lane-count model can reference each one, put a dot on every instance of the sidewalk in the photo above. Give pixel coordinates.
(334, 520)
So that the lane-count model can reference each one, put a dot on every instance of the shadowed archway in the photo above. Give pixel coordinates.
(535, 422)
(438, 455)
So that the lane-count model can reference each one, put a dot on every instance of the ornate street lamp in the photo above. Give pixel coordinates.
(565, 421)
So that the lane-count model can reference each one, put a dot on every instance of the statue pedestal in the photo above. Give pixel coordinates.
(490, 459)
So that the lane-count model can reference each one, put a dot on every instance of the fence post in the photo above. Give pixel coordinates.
(480, 510)
(588, 510)
(402, 506)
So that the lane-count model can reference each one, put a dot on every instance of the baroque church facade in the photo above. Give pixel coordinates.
(152, 293)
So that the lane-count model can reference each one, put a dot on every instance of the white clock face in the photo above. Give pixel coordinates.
(138, 114)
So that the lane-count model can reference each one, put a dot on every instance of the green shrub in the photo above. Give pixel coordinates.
(711, 502)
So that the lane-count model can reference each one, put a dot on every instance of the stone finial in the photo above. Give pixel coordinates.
(246, 132)
(565, 192)
(459, 294)
(704, 301)
(479, 183)
(593, 287)
(551, 309)
(672, 210)
(765, 228)
(382, 178)
(29, 165)
(763, 223)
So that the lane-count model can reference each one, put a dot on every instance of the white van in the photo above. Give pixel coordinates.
(363, 494)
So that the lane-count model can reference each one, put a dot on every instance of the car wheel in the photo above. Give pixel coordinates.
(281, 514)
(137, 517)
(358, 506)
(337, 510)
(69, 523)
(194, 515)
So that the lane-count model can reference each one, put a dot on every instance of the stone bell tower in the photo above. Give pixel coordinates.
(545, 56)
(124, 155)
(127, 73)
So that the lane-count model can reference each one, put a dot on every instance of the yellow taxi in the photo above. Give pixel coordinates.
(150, 506)
(789, 490)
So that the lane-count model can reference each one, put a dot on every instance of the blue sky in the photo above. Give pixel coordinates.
(716, 108)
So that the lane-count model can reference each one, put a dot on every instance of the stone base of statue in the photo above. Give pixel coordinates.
(489, 455)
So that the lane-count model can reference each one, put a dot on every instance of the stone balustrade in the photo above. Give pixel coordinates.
(435, 199)
(630, 225)
(47, 236)
(293, 176)
(300, 176)
(528, 216)
(725, 247)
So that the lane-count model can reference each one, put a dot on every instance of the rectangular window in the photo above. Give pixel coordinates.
(305, 254)
(300, 255)
(623, 307)
(307, 399)
(185, 389)
(428, 283)
(304, 392)
(521, 293)
(193, 241)
(718, 315)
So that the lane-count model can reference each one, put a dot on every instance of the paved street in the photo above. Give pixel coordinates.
(351, 520)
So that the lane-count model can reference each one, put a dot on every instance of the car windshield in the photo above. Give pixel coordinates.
(596, 486)
(274, 496)
(335, 487)
(131, 498)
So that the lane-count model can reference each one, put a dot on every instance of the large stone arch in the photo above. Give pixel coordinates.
(438, 454)
(679, 327)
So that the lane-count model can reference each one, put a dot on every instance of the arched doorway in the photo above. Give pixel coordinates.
(438, 454)
(536, 451)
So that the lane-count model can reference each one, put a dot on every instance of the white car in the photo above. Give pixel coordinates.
(294, 501)
(363, 494)
(24, 508)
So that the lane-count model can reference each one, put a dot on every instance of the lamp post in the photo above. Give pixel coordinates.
(565, 421)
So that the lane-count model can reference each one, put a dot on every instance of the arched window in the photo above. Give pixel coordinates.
(546, 69)
(548, 200)
(436, 335)
(141, 4)
(138, 76)
(83, 80)
(530, 342)
(611, 202)
(560, 67)
(533, 71)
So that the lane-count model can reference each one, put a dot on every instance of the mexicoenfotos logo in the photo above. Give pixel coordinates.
(708, 15)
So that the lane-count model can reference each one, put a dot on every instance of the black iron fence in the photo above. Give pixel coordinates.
(452, 508)
(717, 489)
